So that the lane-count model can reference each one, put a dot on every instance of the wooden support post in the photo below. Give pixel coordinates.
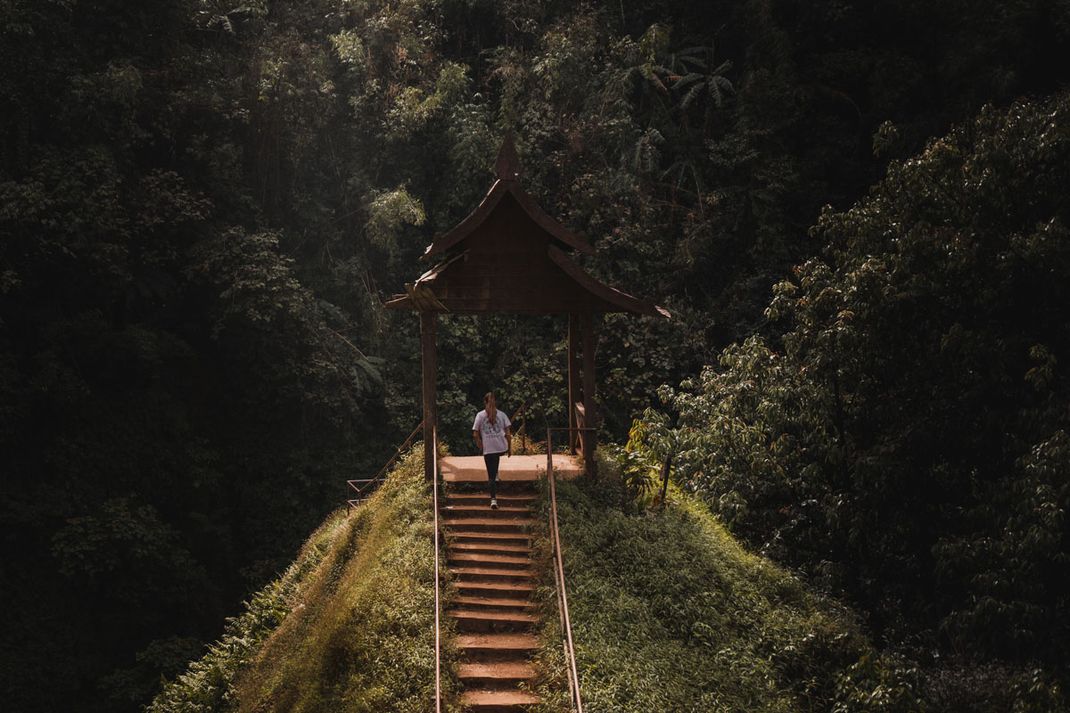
(665, 468)
(573, 378)
(589, 348)
(429, 361)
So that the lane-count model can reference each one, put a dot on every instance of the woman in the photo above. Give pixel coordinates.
(493, 437)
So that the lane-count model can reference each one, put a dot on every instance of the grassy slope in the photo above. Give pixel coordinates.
(348, 627)
(670, 613)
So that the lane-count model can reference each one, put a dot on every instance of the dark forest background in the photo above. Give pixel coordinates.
(203, 204)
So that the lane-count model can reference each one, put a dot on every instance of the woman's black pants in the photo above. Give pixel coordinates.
(492, 459)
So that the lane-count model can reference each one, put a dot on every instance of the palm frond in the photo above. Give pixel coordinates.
(694, 62)
(692, 94)
(687, 80)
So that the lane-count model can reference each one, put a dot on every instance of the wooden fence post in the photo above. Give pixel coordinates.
(429, 363)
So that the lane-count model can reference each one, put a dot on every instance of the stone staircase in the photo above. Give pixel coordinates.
(489, 555)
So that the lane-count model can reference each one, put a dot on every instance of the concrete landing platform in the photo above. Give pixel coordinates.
(472, 469)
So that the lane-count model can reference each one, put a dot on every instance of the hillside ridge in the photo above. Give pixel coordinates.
(704, 624)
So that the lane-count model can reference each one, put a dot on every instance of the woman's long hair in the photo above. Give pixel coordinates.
(486, 402)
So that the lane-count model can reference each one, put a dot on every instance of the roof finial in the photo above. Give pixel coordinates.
(507, 167)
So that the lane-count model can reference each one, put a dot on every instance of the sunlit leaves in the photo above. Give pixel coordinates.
(414, 106)
(388, 212)
(349, 48)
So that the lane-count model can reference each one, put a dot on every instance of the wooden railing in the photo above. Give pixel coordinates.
(362, 487)
(559, 573)
(438, 623)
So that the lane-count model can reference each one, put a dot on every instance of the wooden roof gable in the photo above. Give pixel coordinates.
(507, 168)
(509, 255)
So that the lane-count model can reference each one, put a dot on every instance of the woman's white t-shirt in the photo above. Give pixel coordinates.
(493, 434)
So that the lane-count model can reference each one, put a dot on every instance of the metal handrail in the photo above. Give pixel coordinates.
(368, 482)
(559, 573)
(438, 636)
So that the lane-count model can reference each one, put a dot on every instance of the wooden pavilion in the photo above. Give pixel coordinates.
(510, 256)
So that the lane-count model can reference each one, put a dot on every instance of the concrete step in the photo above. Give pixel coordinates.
(495, 674)
(493, 574)
(483, 498)
(491, 701)
(463, 612)
(491, 524)
(490, 547)
(473, 620)
(457, 534)
(493, 603)
(449, 512)
(497, 643)
(511, 482)
(480, 559)
(503, 590)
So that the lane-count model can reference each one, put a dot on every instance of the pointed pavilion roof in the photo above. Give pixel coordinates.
(509, 255)
(507, 169)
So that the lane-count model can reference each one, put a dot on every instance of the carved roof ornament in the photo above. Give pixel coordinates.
(507, 167)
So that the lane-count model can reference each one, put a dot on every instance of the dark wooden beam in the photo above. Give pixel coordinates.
(573, 377)
(429, 362)
(589, 348)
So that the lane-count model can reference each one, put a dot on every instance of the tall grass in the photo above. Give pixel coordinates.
(670, 613)
(348, 627)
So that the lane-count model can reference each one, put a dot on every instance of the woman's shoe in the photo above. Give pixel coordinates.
(493, 503)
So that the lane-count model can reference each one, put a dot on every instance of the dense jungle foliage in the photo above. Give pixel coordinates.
(203, 203)
(907, 440)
